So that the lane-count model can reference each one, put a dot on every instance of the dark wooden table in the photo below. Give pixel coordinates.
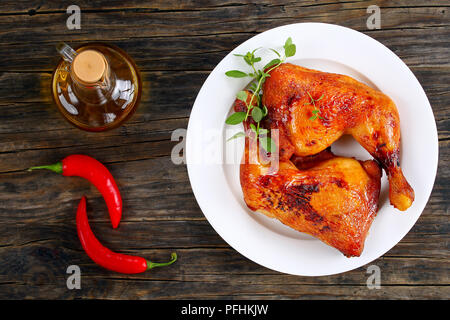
(176, 44)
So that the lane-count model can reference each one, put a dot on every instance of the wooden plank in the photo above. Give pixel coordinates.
(151, 189)
(137, 290)
(207, 264)
(40, 7)
(203, 52)
(199, 273)
(166, 95)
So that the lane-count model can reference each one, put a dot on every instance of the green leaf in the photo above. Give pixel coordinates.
(313, 118)
(290, 50)
(253, 86)
(242, 95)
(236, 74)
(248, 58)
(267, 144)
(257, 114)
(252, 126)
(315, 111)
(257, 59)
(236, 118)
(276, 52)
(263, 77)
(265, 111)
(272, 63)
(288, 42)
(237, 135)
(238, 55)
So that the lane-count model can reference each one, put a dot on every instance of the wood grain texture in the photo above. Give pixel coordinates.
(176, 44)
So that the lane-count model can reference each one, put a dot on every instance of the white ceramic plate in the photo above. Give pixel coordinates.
(215, 179)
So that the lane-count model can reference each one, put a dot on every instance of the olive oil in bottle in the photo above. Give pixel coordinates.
(97, 87)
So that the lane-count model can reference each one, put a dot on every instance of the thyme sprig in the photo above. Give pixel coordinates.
(255, 109)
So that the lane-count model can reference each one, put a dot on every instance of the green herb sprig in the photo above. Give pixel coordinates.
(315, 112)
(257, 111)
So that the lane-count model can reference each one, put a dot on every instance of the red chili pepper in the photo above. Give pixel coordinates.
(106, 258)
(92, 170)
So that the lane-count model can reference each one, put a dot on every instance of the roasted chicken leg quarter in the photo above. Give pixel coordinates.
(343, 106)
(335, 199)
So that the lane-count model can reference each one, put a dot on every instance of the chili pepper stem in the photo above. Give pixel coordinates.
(151, 265)
(56, 167)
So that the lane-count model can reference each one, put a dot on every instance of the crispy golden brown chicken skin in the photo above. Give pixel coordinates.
(335, 199)
(347, 107)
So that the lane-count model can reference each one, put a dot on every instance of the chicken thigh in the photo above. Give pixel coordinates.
(334, 200)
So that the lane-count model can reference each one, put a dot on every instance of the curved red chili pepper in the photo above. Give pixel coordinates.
(92, 170)
(106, 258)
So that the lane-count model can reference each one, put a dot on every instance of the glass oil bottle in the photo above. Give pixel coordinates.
(97, 87)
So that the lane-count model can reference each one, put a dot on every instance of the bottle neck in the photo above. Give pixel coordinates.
(92, 86)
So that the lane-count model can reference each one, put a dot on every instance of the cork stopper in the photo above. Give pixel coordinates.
(89, 66)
